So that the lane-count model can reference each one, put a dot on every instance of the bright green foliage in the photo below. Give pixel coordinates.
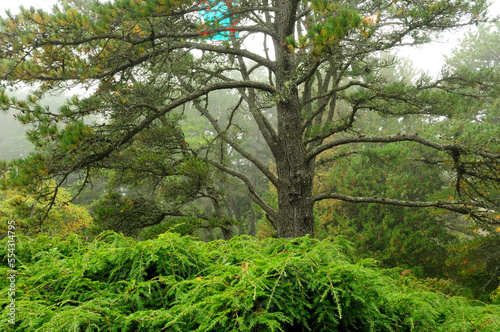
(64, 217)
(176, 284)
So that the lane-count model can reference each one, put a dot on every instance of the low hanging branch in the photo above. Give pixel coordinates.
(456, 206)
(454, 148)
(480, 208)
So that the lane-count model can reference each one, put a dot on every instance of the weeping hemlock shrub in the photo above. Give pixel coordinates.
(174, 283)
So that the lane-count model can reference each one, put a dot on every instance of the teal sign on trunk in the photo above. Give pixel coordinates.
(217, 15)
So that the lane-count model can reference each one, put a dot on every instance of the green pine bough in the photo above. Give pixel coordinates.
(174, 283)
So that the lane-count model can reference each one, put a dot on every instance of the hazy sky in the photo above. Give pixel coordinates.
(428, 58)
(14, 5)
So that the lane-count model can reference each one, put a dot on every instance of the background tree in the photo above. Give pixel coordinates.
(394, 235)
(475, 260)
(143, 61)
(439, 244)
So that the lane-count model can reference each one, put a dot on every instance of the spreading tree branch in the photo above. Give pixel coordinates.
(462, 207)
(250, 186)
(398, 138)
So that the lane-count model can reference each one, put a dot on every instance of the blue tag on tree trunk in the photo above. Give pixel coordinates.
(217, 19)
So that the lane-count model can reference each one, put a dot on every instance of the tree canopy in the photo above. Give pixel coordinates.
(143, 62)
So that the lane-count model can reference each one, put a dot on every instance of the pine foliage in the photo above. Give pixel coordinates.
(173, 283)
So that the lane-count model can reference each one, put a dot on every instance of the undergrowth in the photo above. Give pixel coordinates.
(173, 283)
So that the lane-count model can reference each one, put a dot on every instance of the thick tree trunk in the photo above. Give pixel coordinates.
(295, 174)
(295, 202)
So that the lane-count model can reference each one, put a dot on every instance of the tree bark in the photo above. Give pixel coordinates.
(295, 173)
(295, 200)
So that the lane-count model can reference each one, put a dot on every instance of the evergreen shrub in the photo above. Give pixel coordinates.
(174, 283)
